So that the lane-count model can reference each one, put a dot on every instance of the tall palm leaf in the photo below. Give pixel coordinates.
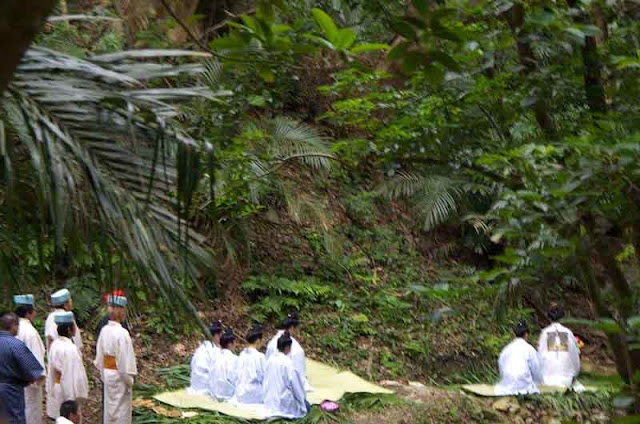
(94, 121)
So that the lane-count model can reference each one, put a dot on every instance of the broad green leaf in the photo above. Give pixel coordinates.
(369, 47)
(267, 74)
(444, 59)
(434, 74)
(346, 38)
(327, 25)
(404, 29)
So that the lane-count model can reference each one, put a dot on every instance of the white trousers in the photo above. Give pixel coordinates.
(33, 404)
(117, 398)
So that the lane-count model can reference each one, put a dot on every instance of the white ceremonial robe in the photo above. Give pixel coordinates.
(519, 369)
(63, 420)
(297, 357)
(559, 356)
(114, 344)
(250, 375)
(223, 376)
(201, 366)
(284, 394)
(66, 377)
(28, 335)
(51, 330)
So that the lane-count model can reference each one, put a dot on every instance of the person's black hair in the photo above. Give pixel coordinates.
(68, 407)
(291, 321)
(64, 330)
(255, 334)
(284, 341)
(227, 338)
(556, 313)
(215, 327)
(23, 310)
(521, 329)
(7, 319)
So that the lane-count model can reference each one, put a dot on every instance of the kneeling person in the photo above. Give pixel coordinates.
(283, 385)
(68, 413)
(559, 352)
(519, 366)
(251, 365)
(223, 373)
(203, 359)
(116, 361)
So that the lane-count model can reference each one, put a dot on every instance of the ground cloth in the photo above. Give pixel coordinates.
(488, 390)
(328, 383)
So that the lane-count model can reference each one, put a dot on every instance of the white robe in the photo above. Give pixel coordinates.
(32, 393)
(284, 394)
(223, 376)
(297, 357)
(64, 357)
(51, 330)
(250, 376)
(559, 356)
(519, 369)
(201, 365)
(63, 420)
(115, 341)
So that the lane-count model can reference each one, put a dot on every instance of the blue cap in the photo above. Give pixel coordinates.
(23, 299)
(63, 318)
(60, 297)
(117, 301)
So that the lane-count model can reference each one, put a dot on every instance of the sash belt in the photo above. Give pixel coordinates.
(109, 363)
(58, 377)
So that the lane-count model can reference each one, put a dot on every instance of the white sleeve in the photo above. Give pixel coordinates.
(574, 354)
(99, 361)
(542, 342)
(34, 343)
(297, 386)
(74, 378)
(534, 366)
(125, 358)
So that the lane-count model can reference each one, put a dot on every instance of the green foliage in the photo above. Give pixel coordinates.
(276, 296)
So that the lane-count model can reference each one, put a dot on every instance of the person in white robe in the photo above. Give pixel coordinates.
(250, 374)
(203, 360)
(284, 394)
(116, 362)
(61, 302)
(68, 413)
(519, 366)
(558, 352)
(28, 335)
(66, 377)
(289, 325)
(224, 371)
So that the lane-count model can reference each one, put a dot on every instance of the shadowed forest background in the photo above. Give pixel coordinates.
(411, 177)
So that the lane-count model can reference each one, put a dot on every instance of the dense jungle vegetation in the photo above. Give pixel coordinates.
(410, 176)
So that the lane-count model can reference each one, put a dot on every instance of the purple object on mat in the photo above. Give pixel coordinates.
(329, 406)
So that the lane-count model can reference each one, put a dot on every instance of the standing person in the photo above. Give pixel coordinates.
(28, 335)
(519, 366)
(68, 413)
(116, 361)
(61, 302)
(251, 364)
(559, 352)
(18, 369)
(223, 374)
(284, 394)
(105, 319)
(66, 378)
(203, 360)
(290, 325)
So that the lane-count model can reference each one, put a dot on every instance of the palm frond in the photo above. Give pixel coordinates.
(434, 198)
(288, 137)
(93, 121)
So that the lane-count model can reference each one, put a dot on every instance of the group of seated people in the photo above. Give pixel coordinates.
(555, 363)
(276, 381)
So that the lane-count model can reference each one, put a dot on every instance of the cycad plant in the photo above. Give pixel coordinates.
(94, 140)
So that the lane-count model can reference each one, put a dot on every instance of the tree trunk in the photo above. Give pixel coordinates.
(20, 21)
(515, 19)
